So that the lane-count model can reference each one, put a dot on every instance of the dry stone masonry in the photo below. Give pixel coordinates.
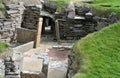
(74, 21)
(14, 12)
(31, 17)
(12, 21)
(7, 30)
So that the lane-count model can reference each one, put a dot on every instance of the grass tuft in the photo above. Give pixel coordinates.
(61, 3)
(3, 46)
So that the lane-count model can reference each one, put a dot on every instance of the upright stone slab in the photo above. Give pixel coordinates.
(71, 10)
(38, 35)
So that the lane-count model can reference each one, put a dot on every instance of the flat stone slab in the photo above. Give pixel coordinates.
(57, 69)
(58, 63)
(32, 65)
(57, 73)
(31, 62)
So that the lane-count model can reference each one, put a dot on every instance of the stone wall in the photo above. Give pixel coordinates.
(14, 12)
(31, 17)
(7, 30)
(12, 20)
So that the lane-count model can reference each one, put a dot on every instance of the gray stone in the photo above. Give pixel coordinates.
(71, 10)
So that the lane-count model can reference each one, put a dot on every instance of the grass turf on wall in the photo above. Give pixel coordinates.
(60, 3)
(107, 2)
(98, 54)
(115, 6)
(1, 7)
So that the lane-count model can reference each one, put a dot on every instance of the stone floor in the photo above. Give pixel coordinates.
(57, 64)
(31, 62)
(33, 59)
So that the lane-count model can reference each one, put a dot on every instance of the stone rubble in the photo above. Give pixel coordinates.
(2, 68)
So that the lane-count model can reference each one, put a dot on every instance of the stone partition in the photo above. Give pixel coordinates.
(25, 47)
(25, 35)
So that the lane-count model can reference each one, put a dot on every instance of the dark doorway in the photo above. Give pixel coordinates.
(48, 27)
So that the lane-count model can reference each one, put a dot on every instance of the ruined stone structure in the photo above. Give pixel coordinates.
(12, 21)
(14, 12)
(73, 22)
(77, 22)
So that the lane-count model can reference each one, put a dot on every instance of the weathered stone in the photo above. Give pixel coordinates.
(51, 7)
(71, 10)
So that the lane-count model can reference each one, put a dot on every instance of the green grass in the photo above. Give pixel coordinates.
(1, 0)
(60, 3)
(97, 5)
(1, 77)
(98, 54)
(3, 46)
(107, 2)
(1, 7)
